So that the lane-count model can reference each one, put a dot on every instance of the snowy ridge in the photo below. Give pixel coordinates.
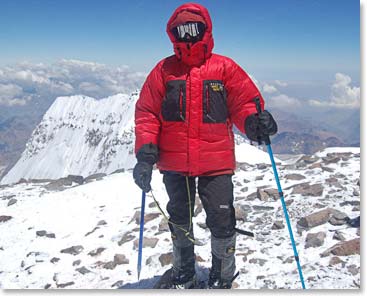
(80, 135)
(85, 236)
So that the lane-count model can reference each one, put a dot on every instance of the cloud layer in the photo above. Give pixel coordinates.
(343, 95)
(25, 82)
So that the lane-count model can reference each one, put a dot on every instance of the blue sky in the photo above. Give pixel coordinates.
(285, 39)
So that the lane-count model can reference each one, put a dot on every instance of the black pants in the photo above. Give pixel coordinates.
(216, 194)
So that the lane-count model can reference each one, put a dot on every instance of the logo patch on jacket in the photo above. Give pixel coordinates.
(216, 86)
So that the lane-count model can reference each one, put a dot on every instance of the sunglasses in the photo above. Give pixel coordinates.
(189, 32)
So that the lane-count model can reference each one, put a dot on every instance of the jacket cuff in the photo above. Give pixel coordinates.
(148, 153)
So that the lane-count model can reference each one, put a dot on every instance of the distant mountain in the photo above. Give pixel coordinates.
(14, 134)
(299, 134)
(80, 135)
(302, 143)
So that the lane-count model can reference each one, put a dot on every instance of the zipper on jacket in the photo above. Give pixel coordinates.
(229, 130)
(207, 103)
(181, 104)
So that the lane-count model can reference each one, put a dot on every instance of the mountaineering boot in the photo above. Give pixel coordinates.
(169, 281)
(223, 262)
(183, 269)
(354, 222)
(182, 273)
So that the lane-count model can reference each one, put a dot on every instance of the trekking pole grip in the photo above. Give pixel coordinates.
(264, 138)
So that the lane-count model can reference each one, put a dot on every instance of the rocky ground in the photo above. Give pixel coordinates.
(83, 233)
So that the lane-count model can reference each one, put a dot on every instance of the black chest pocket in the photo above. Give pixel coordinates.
(214, 102)
(174, 103)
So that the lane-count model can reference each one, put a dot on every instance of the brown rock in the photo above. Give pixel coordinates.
(259, 261)
(126, 238)
(109, 265)
(150, 217)
(166, 259)
(147, 242)
(338, 236)
(315, 240)
(90, 232)
(83, 270)
(296, 177)
(235, 285)
(96, 252)
(327, 169)
(346, 248)
(118, 284)
(12, 201)
(5, 218)
(252, 196)
(163, 225)
(278, 225)
(120, 259)
(337, 217)
(335, 260)
(306, 189)
(64, 285)
(240, 214)
(147, 217)
(272, 193)
(262, 195)
(199, 259)
(41, 233)
(353, 269)
(74, 250)
(315, 219)
(77, 262)
(55, 260)
(101, 223)
(308, 159)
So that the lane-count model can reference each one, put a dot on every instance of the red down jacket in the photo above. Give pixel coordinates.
(189, 102)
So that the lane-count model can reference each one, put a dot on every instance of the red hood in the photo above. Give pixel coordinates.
(197, 53)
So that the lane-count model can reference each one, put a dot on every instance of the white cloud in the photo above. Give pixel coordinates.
(343, 95)
(284, 101)
(29, 81)
(281, 83)
(10, 95)
(270, 89)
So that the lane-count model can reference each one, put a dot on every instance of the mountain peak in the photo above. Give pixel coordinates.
(80, 135)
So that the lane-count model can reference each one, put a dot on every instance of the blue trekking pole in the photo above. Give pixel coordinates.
(281, 195)
(141, 232)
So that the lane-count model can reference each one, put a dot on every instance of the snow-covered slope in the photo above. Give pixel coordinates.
(85, 237)
(79, 135)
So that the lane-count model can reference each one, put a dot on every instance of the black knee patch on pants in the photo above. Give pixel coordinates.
(216, 194)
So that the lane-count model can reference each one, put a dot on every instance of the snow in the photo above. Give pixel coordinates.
(252, 154)
(73, 213)
(325, 151)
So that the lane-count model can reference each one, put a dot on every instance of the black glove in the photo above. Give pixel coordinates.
(143, 175)
(260, 126)
(147, 156)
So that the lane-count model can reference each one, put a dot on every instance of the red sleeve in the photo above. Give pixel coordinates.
(241, 92)
(147, 109)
